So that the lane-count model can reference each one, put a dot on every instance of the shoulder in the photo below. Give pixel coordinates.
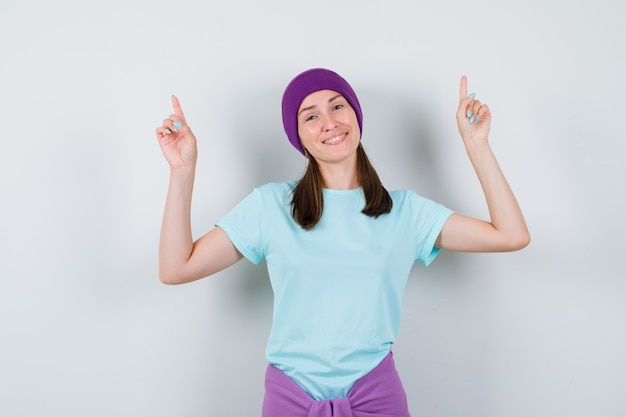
(409, 199)
(275, 192)
(276, 187)
(404, 196)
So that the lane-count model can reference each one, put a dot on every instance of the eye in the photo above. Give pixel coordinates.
(309, 117)
(338, 107)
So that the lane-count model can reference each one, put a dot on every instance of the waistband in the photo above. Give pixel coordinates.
(377, 394)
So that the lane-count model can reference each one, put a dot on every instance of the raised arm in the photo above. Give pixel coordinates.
(180, 258)
(506, 230)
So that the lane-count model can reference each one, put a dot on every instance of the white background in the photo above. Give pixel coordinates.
(86, 328)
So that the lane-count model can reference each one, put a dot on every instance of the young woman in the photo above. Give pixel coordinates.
(338, 246)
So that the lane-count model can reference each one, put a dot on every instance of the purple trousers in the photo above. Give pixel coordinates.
(377, 394)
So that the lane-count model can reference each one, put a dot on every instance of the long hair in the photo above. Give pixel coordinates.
(307, 202)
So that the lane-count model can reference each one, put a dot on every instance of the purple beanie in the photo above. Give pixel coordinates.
(309, 82)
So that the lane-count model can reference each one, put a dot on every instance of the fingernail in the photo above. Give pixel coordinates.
(178, 124)
(477, 117)
(469, 113)
(168, 132)
(471, 119)
(471, 95)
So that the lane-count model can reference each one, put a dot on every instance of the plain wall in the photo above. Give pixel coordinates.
(87, 329)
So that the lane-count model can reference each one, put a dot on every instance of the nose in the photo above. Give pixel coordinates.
(328, 122)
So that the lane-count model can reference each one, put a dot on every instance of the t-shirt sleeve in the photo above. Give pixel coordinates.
(243, 225)
(429, 218)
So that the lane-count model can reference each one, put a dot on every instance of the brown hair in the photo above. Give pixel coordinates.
(307, 202)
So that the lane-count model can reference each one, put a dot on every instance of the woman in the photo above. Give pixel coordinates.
(338, 246)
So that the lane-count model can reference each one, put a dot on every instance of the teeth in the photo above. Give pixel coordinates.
(334, 140)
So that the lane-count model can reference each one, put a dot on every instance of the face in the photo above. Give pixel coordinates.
(328, 127)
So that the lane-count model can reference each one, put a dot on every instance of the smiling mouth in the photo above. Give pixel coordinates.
(335, 139)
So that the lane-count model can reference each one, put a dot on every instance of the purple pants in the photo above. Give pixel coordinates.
(377, 394)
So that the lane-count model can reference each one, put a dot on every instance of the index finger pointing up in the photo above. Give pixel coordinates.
(463, 93)
(177, 109)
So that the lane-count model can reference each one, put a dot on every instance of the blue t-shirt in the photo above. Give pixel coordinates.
(338, 287)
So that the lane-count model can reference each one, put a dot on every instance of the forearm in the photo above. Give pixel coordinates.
(176, 243)
(504, 211)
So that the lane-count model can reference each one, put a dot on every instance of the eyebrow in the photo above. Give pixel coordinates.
(313, 106)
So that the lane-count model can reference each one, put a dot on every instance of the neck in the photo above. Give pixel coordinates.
(339, 176)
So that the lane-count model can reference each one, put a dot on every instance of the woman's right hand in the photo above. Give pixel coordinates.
(176, 139)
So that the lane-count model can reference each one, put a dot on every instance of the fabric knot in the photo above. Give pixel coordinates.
(339, 407)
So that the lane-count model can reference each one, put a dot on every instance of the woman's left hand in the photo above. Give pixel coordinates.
(506, 229)
(473, 118)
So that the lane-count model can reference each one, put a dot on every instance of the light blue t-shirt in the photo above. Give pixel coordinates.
(338, 287)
